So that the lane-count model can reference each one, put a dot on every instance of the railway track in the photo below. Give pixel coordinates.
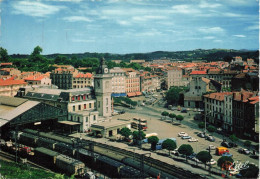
(11, 158)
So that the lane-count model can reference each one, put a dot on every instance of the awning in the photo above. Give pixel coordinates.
(122, 94)
(71, 123)
(96, 129)
(131, 94)
(115, 94)
(138, 93)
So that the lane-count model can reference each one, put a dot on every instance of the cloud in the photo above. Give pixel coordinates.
(185, 9)
(212, 30)
(83, 40)
(35, 9)
(209, 37)
(74, 1)
(152, 32)
(204, 4)
(240, 36)
(124, 23)
(218, 41)
(145, 18)
(77, 19)
(253, 27)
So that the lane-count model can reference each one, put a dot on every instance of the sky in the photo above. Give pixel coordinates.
(127, 26)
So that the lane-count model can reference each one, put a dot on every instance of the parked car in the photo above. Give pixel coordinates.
(182, 134)
(196, 160)
(193, 140)
(211, 147)
(210, 138)
(184, 110)
(191, 156)
(226, 154)
(232, 144)
(201, 135)
(211, 162)
(244, 151)
(175, 152)
(225, 144)
(174, 108)
(185, 137)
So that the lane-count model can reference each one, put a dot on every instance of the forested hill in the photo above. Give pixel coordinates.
(199, 54)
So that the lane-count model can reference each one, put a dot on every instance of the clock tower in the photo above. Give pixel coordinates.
(103, 89)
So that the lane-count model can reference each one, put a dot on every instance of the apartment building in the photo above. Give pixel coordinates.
(38, 80)
(81, 80)
(132, 82)
(63, 77)
(174, 77)
(10, 87)
(118, 82)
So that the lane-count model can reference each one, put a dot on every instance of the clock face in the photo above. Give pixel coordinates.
(105, 70)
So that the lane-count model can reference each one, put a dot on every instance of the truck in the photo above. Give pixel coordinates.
(159, 144)
(221, 150)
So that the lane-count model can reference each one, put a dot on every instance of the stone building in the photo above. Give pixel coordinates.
(174, 77)
(118, 82)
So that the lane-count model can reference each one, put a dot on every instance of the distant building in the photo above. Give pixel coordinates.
(118, 82)
(81, 80)
(117, 61)
(38, 80)
(197, 87)
(174, 77)
(246, 81)
(137, 61)
(132, 82)
(10, 87)
(9, 72)
(63, 77)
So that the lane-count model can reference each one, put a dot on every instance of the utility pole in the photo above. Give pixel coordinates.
(15, 139)
(139, 132)
(142, 163)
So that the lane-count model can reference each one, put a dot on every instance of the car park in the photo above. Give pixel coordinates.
(225, 144)
(182, 134)
(244, 151)
(211, 162)
(185, 137)
(201, 135)
(193, 140)
(226, 154)
(211, 147)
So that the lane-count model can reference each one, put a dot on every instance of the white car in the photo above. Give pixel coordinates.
(182, 134)
(211, 162)
(196, 160)
(193, 140)
(211, 147)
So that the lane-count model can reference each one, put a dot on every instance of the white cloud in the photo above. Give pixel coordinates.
(204, 4)
(145, 18)
(217, 41)
(74, 1)
(185, 9)
(240, 36)
(77, 19)
(209, 37)
(211, 30)
(36, 9)
(152, 32)
(123, 22)
(253, 27)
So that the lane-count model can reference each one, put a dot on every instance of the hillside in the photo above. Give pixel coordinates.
(198, 54)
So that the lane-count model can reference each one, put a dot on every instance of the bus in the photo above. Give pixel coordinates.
(139, 123)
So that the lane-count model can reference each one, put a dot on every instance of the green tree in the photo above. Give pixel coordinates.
(153, 140)
(169, 145)
(201, 125)
(211, 128)
(4, 57)
(165, 113)
(173, 95)
(36, 58)
(251, 172)
(172, 115)
(138, 136)
(185, 149)
(247, 143)
(179, 118)
(126, 132)
(204, 157)
(224, 162)
(233, 138)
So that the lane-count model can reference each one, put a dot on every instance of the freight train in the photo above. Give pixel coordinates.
(48, 147)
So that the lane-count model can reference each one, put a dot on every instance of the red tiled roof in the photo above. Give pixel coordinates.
(81, 75)
(35, 78)
(131, 94)
(218, 96)
(198, 73)
(2, 64)
(254, 100)
(12, 82)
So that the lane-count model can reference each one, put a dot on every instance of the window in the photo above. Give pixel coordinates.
(86, 119)
(72, 98)
(79, 107)
(85, 106)
(94, 117)
(78, 96)
(107, 101)
(84, 97)
(106, 109)
(71, 118)
(78, 119)
(98, 104)
(90, 105)
(73, 108)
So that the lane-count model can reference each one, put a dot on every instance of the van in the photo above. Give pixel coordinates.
(221, 150)
(159, 144)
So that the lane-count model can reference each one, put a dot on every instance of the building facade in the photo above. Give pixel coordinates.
(174, 77)
(118, 82)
